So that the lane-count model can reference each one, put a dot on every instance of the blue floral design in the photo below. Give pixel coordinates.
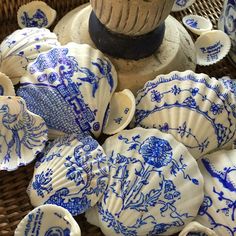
(179, 95)
(57, 231)
(135, 195)
(84, 168)
(181, 3)
(42, 183)
(156, 96)
(156, 152)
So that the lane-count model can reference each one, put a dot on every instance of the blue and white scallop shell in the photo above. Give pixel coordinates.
(48, 220)
(22, 134)
(198, 111)
(22, 47)
(155, 186)
(70, 87)
(36, 14)
(73, 173)
(218, 210)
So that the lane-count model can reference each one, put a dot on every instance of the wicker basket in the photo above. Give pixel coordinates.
(14, 203)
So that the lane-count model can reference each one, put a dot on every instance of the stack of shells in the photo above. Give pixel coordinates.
(148, 180)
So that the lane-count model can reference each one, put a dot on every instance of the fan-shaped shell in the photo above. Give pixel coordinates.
(155, 186)
(180, 5)
(194, 228)
(22, 47)
(132, 17)
(48, 220)
(73, 173)
(36, 14)
(70, 87)
(23, 134)
(218, 208)
(6, 86)
(197, 110)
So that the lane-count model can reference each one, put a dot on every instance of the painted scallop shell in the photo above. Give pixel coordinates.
(132, 17)
(197, 110)
(180, 5)
(6, 86)
(218, 208)
(211, 47)
(196, 229)
(121, 112)
(23, 134)
(73, 173)
(155, 186)
(48, 220)
(36, 14)
(70, 87)
(197, 24)
(22, 47)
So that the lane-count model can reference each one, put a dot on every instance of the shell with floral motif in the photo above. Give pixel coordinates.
(218, 210)
(22, 47)
(22, 133)
(144, 194)
(70, 87)
(198, 111)
(72, 173)
(48, 220)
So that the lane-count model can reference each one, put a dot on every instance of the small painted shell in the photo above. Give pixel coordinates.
(70, 87)
(36, 14)
(48, 220)
(218, 208)
(22, 47)
(23, 134)
(6, 86)
(197, 24)
(120, 113)
(197, 110)
(73, 173)
(211, 47)
(155, 186)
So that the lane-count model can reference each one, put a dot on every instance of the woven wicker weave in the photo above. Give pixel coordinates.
(14, 203)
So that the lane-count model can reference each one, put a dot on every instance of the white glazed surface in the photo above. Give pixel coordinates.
(70, 87)
(197, 24)
(197, 110)
(48, 220)
(144, 194)
(132, 18)
(211, 47)
(36, 14)
(218, 208)
(121, 112)
(72, 173)
(23, 134)
(6, 86)
(22, 47)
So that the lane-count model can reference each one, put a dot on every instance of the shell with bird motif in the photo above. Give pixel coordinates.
(218, 210)
(72, 173)
(155, 186)
(70, 87)
(22, 47)
(22, 136)
(198, 111)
